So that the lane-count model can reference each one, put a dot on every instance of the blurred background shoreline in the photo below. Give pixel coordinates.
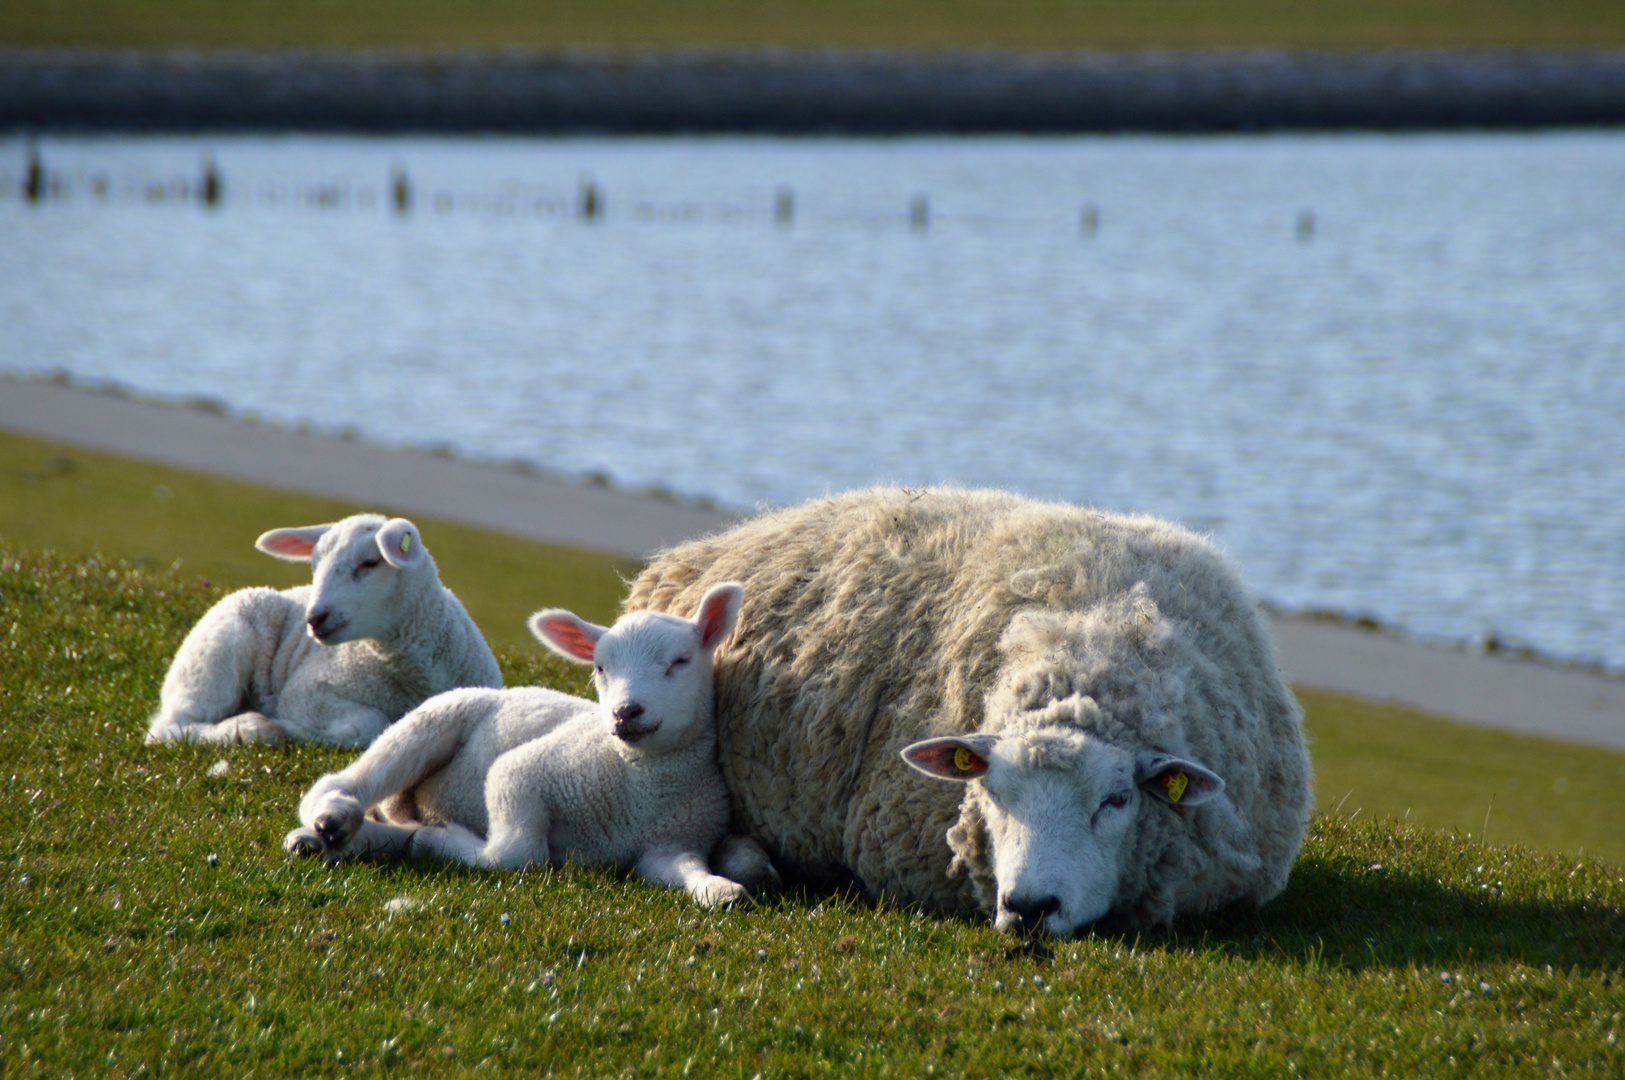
(806, 91)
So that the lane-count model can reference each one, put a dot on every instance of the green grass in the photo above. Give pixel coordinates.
(150, 925)
(929, 24)
(54, 495)
(1378, 760)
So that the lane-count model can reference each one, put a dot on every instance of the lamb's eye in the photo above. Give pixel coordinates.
(362, 568)
(1116, 799)
(679, 662)
(598, 670)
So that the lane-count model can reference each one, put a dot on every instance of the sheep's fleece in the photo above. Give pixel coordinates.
(879, 618)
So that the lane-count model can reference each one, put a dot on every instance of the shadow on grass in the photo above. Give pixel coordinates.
(1364, 918)
(1354, 918)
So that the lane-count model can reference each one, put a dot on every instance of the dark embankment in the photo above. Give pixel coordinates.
(804, 92)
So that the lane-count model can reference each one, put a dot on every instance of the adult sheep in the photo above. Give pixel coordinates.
(1107, 690)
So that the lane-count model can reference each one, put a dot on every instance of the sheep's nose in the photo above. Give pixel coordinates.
(1030, 912)
(318, 621)
(627, 712)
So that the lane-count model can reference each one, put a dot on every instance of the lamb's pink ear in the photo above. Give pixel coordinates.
(399, 543)
(719, 612)
(1176, 781)
(294, 545)
(962, 757)
(567, 634)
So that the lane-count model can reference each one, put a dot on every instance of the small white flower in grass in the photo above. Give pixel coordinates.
(399, 905)
(212, 859)
(503, 918)
(220, 768)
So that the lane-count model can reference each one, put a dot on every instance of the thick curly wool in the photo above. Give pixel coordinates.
(879, 618)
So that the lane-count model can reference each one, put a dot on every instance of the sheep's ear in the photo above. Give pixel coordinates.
(1176, 781)
(566, 633)
(719, 612)
(400, 543)
(294, 545)
(961, 757)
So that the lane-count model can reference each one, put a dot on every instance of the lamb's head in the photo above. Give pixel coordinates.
(1059, 809)
(652, 670)
(363, 569)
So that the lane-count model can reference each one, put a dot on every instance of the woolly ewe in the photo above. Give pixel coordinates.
(967, 700)
(336, 661)
(530, 776)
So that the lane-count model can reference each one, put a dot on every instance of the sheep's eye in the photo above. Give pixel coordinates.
(370, 564)
(679, 662)
(1116, 799)
(598, 669)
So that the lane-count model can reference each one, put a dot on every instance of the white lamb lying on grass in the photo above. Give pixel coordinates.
(336, 661)
(533, 777)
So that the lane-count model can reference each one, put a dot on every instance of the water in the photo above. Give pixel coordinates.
(1386, 373)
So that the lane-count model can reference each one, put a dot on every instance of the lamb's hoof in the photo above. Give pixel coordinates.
(338, 818)
(722, 893)
(304, 843)
(251, 729)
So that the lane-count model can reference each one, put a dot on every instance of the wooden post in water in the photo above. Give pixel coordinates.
(592, 200)
(784, 206)
(919, 213)
(401, 187)
(211, 188)
(1306, 226)
(1091, 219)
(34, 177)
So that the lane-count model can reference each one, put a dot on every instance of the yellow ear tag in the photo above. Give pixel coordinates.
(962, 759)
(1176, 783)
(406, 543)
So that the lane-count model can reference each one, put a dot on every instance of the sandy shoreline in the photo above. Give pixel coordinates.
(1514, 694)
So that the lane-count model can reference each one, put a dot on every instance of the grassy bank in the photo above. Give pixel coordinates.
(939, 24)
(54, 495)
(149, 924)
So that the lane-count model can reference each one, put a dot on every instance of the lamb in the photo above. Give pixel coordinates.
(532, 777)
(336, 661)
(966, 700)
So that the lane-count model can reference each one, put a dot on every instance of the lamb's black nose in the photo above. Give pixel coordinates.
(1031, 911)
(319, 621)
(627, 712)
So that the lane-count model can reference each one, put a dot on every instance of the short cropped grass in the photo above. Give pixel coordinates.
(150, 925)
(908, 24)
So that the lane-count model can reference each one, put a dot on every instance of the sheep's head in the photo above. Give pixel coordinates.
(652, 670)
(1057, 811)
(356, 567)
(1087, 714)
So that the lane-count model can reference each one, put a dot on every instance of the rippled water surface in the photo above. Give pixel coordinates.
(1387, 373)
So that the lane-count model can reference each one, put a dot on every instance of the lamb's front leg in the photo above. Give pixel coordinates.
(244, 729)
(686, 870)
(421, 744)
(368, 838)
